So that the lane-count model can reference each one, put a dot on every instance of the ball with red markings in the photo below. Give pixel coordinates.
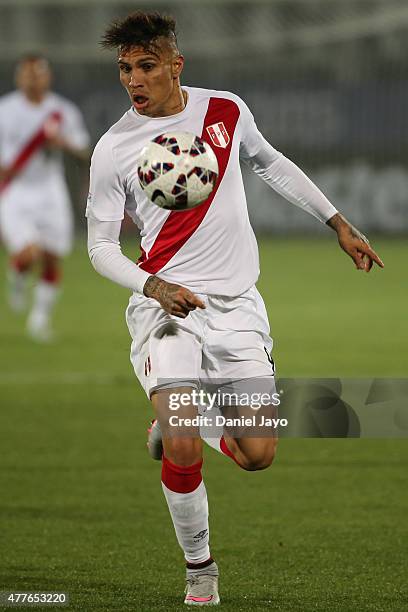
(177, 170)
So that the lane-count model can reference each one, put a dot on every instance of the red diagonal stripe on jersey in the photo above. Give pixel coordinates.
(35, 142)
(181, 225)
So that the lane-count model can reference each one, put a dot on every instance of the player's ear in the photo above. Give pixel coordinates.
(177, 66)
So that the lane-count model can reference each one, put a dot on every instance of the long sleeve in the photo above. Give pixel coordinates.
(107, 257)
(281, 173)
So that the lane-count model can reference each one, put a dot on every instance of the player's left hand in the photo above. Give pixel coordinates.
(52, 133)
(56, 142)
(355, 244)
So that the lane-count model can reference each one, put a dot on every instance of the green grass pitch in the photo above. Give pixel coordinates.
(325, 529)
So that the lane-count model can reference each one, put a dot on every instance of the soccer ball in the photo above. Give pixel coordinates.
(177, 170)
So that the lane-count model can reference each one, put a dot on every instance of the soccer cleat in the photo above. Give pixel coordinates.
(154, 441)
(202, 590)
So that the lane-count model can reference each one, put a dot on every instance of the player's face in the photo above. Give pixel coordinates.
(33, 77)
(152, 80)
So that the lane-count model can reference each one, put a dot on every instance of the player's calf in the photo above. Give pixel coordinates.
(251, 454)
(181, 441)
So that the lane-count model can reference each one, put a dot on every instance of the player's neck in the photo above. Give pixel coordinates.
(175, 105)
(35, 97)
(181, 102)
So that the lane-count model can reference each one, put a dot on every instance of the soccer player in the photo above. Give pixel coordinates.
(36, 126)
(195, 312)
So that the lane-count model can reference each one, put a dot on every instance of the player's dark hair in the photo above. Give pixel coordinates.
(139, 29)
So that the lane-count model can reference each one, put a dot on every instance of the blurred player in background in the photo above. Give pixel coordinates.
(195, 312)
(36, 127)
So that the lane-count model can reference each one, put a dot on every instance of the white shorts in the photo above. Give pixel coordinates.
(39, 214)
(228, 340)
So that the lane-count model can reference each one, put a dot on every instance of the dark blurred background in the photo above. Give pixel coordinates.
(327, 81)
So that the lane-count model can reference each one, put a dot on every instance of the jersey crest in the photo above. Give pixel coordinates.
(218, 134)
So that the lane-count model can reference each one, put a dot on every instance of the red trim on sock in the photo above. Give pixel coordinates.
(51, 274)
(224, 449)
(202, 565)
(180, 478)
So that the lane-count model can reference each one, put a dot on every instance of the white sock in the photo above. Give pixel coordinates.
(189, 512)
(17, 288)
(45, 296)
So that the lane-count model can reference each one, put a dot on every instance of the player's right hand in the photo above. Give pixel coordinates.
(174, 299)
(3, 173)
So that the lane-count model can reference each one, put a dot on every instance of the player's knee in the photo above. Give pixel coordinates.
(27, 257)
(253, 464)
(183, 451)
(259, 459)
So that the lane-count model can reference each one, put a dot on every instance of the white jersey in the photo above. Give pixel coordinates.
(20, 120)
(210, 249)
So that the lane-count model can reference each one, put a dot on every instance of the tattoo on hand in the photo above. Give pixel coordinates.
(161, 291)
(340, 224)
(151, 286)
